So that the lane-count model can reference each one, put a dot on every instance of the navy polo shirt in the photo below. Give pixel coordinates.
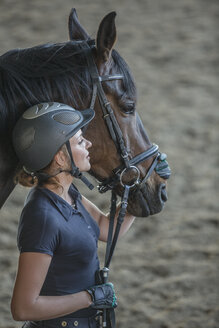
(50, 225)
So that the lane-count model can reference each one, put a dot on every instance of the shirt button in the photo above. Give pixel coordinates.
(75, 323)
(64, 323)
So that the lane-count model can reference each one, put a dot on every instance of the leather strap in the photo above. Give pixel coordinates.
(120, 219)
(75, 170)
(108, 114)
(111, 225)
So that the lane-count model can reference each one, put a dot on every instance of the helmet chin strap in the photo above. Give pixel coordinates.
(75, 172)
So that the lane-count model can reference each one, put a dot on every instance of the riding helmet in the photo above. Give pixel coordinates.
(43, 129)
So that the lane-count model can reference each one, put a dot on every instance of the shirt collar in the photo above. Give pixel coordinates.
(63, 207)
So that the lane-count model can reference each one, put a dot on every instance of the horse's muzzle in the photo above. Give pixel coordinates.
(144, 201)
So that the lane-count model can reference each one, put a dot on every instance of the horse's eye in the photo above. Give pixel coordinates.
(128, 108)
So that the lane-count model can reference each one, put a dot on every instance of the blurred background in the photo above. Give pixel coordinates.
(166, 269)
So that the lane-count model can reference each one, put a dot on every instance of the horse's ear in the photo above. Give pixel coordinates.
(76, 31)
(106, 36)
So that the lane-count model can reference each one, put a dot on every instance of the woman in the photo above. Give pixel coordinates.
(59, 229)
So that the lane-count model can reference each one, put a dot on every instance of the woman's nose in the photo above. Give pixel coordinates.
(88, 143)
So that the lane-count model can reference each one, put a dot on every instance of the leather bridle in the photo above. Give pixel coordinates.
(115, 131)
(159, 163)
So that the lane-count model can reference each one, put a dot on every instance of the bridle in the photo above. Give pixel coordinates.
(159, 163)
(114, 128)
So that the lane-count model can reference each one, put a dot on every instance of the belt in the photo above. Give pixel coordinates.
(64, 322)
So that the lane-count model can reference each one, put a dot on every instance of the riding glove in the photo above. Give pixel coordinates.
(103, 296)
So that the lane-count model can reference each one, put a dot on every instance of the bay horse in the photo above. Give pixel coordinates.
(64, 72)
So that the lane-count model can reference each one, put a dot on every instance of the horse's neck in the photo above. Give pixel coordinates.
(8, 164)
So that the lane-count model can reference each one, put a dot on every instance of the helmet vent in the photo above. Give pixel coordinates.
(67, 118)
(26, 139)
(42, 106)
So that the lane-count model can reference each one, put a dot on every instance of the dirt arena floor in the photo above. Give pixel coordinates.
(166, 269)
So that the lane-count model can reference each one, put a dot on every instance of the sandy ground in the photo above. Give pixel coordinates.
(166, 269)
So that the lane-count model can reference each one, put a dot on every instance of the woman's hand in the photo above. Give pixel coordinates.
(103, 296)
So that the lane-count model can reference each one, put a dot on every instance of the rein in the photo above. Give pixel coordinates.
(159, 164)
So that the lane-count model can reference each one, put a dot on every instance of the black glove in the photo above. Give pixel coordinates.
(103, 296)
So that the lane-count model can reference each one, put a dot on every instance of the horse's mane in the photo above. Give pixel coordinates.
(49, 72)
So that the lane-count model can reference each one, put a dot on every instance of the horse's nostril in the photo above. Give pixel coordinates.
(163, 193)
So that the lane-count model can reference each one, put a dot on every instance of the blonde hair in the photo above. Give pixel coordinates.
(29, 179)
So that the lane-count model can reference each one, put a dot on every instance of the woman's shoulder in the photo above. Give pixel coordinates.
(45, 204)
(39, 205)
(39, 224)
(36, 199)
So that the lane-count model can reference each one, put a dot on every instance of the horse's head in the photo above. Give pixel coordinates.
(80, 73)
(148, 195)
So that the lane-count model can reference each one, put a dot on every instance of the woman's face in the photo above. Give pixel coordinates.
(79, 147)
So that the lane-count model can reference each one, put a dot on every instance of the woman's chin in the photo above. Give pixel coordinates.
(86, 168)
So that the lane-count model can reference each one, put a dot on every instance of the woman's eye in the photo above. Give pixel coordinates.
(80, 141)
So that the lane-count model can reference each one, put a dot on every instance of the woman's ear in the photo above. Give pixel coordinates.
(60, 158)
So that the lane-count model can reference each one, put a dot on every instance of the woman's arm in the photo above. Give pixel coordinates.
(26, 303)
(103, 220)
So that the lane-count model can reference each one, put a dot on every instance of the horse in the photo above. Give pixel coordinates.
(73, 72)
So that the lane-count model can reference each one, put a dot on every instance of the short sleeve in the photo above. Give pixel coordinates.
(38, 231)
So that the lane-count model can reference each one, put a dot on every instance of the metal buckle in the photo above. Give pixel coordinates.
(136, 180)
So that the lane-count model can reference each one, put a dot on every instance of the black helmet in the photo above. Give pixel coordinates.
(43, 129)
